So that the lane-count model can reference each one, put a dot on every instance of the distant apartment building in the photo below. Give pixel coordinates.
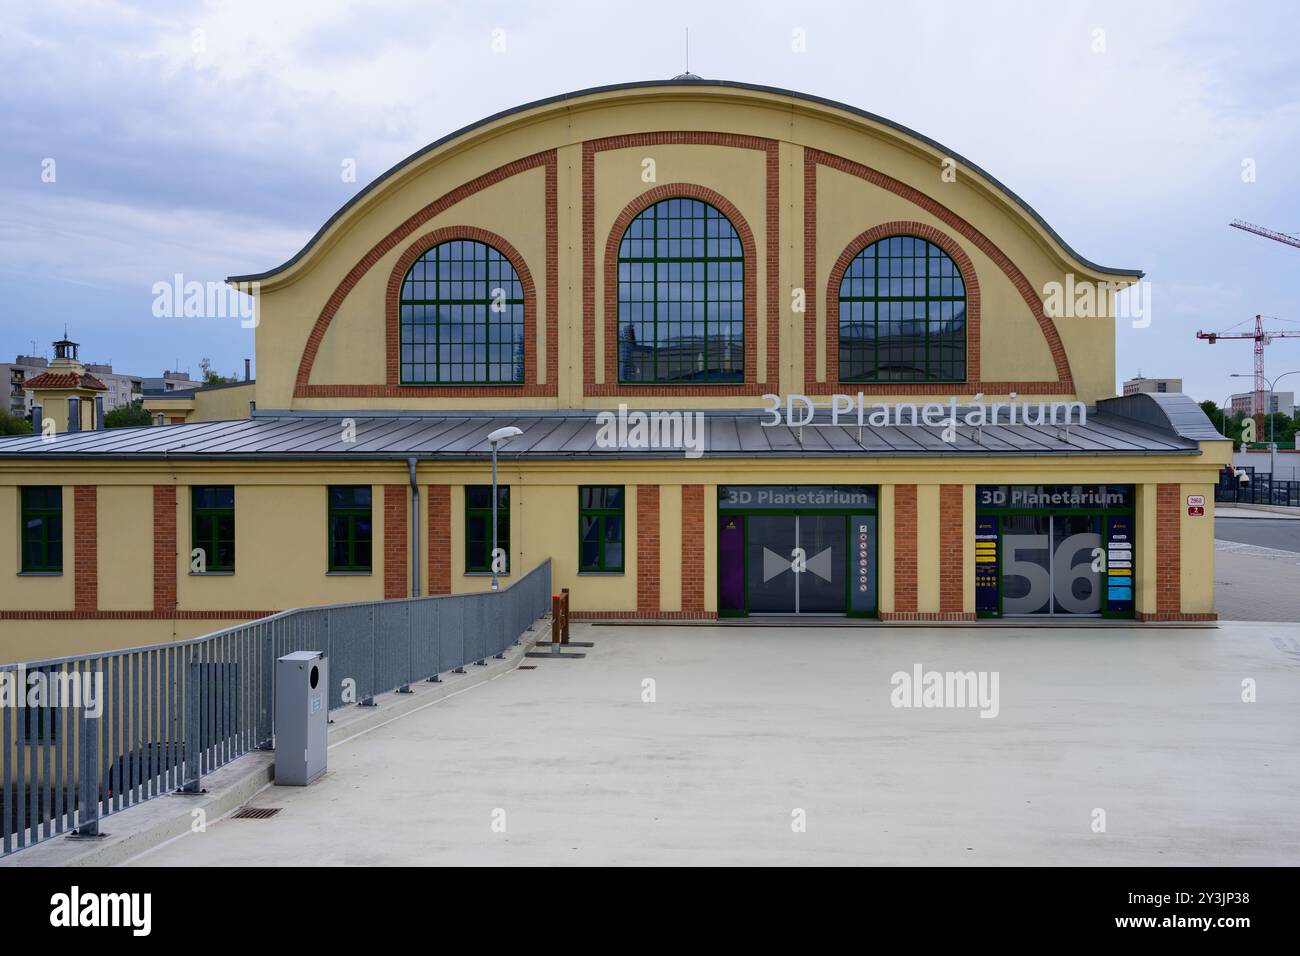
(123, 388)
(1136, 385)
(1283, 402)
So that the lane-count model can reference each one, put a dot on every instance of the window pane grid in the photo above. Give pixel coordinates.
(600, 528)
(478, 526)
(213, 526)
(42, 530)
(461, 315)
(349, 528)
(681, 296)
(902, 314)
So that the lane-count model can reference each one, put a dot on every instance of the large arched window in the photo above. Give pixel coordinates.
(902, 314)
(681, 296)
(462, 317)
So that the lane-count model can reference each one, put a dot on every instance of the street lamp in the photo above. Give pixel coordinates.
(498, 437)
(1272, 445)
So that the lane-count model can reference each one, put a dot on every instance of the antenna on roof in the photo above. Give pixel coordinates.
(688, 49)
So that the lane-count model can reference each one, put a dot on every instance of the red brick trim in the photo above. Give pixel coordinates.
(395, 542)
(927, 616)
(812, 159)
(85, 547)
(904, 549)
(952, 549)
(393, 327)
(1188, 617)
(752, 385)
(174, 615)
(438, 500)
(692, 575)
(647, 549)
(164, 549)
(303, 387)
(1169, 556)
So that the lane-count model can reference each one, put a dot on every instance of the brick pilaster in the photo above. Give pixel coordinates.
(395, 541)
(905, 549)
(1169, 558)
(693, 548)
(85, 547)
(438, 498)
(952, 551)
(164, 549)
(647, 550)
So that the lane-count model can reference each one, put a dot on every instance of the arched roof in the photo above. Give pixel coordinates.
(683, 81)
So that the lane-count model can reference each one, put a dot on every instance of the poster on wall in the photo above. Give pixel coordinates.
(986, 565)
(1119, 564)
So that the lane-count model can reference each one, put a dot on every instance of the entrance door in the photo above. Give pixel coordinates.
(1051, 564)
(796, 564)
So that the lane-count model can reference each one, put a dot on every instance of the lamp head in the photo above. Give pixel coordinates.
(504, 434)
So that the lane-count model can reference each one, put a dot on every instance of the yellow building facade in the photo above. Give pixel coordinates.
(948, 445)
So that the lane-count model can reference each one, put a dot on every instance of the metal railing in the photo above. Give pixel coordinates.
(115, 728)
(1260, 489)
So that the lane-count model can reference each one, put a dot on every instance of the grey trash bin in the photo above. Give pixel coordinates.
(302, 717)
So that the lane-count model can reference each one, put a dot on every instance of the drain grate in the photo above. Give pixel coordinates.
(257, 813)
(528, 667)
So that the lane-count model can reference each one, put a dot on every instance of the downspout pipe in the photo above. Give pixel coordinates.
(415, 530)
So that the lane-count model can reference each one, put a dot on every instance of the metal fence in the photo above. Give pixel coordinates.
(87, 736)
(1260, 489)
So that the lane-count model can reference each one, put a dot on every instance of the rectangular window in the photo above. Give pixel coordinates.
(478, 526)
(42, 517)
(212, 511)
(350, 528)
(600, 528)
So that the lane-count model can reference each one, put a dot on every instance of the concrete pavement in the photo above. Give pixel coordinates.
(568, 763)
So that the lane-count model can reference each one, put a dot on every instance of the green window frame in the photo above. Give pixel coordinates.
(478, 526)
(602, 528)
(681, 296)
(902, 314)
(212, 525)
(461, 317)
(351, 529)
(42, 523)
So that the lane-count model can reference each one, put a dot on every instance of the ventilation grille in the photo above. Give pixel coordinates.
(257, 813)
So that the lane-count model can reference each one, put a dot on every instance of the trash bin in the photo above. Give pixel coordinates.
(301, 717)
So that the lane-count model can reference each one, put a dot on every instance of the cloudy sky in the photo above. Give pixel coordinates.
(225, 159)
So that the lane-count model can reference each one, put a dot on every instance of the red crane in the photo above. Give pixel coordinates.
(1260, 337)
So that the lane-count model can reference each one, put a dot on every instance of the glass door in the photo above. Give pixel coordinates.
(1026, 564)
(822, 588)
(1051, 564)
(772, 583)
(1077, 564)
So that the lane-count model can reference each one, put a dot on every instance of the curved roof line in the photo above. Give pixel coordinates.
(681, 81)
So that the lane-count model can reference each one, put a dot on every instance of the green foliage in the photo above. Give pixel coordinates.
(211, 377)
(11, 424)
(127, 416)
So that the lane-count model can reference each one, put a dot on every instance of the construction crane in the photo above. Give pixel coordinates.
(1273, 234)
(1260, 337)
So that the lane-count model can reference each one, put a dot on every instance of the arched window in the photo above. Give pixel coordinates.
(462, 317)
(902, 314)
(681, 296)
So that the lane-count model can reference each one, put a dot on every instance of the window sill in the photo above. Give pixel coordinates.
(40, 574)
(348, 574)
(212, 574)
(485, 574)
(601, 574)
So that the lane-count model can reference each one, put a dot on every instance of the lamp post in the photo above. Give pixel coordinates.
(498, 437)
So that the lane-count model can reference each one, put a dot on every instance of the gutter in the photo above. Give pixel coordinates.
(415, 529)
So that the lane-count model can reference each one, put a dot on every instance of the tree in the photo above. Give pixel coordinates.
(127, 416)
(11, 424)
(213, 378)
